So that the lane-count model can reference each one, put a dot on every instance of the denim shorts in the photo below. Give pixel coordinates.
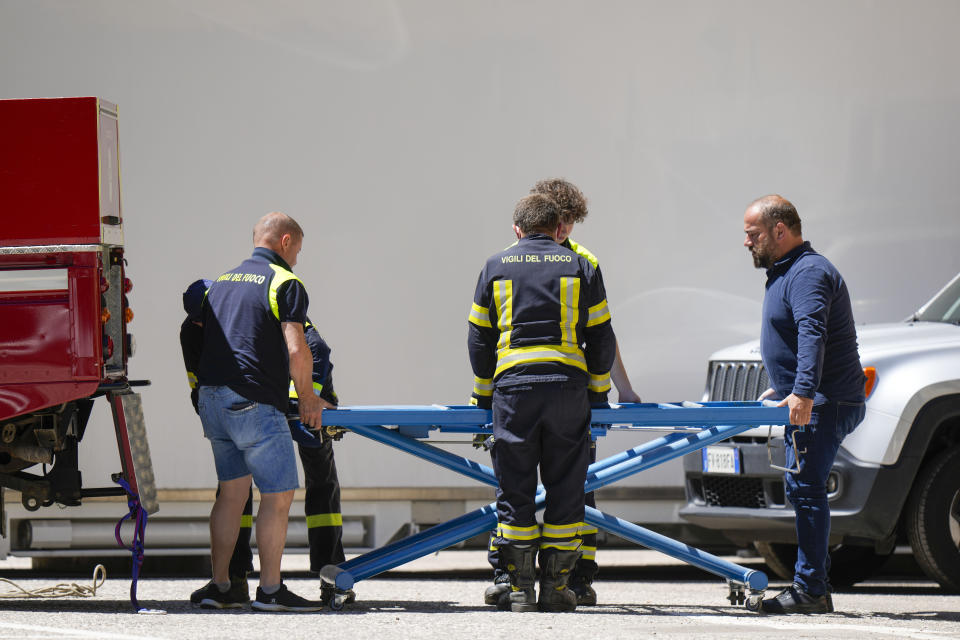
(248, 438)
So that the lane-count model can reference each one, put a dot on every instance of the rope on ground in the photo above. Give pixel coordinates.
(61, 590)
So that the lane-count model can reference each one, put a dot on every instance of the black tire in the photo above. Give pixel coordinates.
(933, 519)
(848, 564)
(851, 564)
(779, 557)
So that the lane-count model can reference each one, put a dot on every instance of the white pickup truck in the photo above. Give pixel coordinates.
(896, 479)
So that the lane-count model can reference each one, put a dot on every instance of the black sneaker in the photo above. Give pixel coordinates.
(284, 600)
(210, 597)
(794, 599)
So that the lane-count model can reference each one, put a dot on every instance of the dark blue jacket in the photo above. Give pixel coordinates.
(808, 341)
(322, 369)
(191, 344)
(243, 343)
(539, 314)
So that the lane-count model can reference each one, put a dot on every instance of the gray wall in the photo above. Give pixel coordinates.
(400, 134)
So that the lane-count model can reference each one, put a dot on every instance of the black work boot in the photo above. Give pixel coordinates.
(580, 585)
(500, 586)
(519, 563)
(580, 581)
(555, 568)
(794, 599)
(239, 588)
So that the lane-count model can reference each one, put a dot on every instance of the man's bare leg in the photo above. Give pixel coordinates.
(272, 534)
(225, 525)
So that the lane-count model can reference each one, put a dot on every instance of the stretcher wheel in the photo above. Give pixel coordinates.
(753, 602)
(736, 595)
(338, 600)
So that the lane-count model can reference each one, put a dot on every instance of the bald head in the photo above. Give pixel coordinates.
(281, 233)
(775, 208)
(771, 227)
(272, 227)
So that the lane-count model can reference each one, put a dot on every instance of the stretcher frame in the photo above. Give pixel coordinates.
(689, 426)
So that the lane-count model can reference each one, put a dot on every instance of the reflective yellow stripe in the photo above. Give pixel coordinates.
(192, 379)
(562, 546)
(503, 301)
(510, 532)
(569, 311)
(571, 530)
(588, 553)
(598, 314)
(246, 522)
(479, 316)
(317, 388)
(587, 530)
(324, 520)
(599, 384)
(280, 275)
(572, 356)
(483, 386)
(583, 251)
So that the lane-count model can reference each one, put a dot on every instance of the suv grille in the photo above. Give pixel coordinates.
(737, 381)
(732, 492)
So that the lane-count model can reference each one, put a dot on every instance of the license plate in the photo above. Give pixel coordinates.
(721, 460)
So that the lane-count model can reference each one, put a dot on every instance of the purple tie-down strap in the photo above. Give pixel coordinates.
(136, 548)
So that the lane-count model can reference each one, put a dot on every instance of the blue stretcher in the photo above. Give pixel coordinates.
(689, 426)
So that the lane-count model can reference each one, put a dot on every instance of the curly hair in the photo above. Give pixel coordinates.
(572, 202)
(537, 212)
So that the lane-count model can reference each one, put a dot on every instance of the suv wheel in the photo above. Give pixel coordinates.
(933, 519)
(848, 564)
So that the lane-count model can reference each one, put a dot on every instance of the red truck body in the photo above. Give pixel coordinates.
(63, 303)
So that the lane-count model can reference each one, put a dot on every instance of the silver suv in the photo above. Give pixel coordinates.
(896, 478)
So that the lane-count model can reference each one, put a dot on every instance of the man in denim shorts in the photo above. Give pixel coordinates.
(253, 345)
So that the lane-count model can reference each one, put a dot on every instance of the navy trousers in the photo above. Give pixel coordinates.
(545, 425)
(817, 443)
(321, 505)
(587, 566)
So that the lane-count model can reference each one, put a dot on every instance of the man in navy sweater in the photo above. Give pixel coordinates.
(809, 347)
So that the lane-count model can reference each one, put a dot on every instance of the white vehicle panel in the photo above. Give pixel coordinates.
(907, 356)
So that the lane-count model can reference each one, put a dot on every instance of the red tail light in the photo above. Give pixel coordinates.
(871, 373)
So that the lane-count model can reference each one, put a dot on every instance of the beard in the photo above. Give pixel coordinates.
(762, 258)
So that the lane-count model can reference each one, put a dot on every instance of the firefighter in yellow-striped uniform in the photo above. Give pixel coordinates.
(321, 501)
(541, 347)
(573, 210)
(191, 343)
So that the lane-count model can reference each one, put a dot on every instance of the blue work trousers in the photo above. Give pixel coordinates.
(545, 425)
(817, 444)
(587, 566)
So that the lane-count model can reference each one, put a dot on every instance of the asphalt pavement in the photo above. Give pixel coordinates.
(642, 594)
